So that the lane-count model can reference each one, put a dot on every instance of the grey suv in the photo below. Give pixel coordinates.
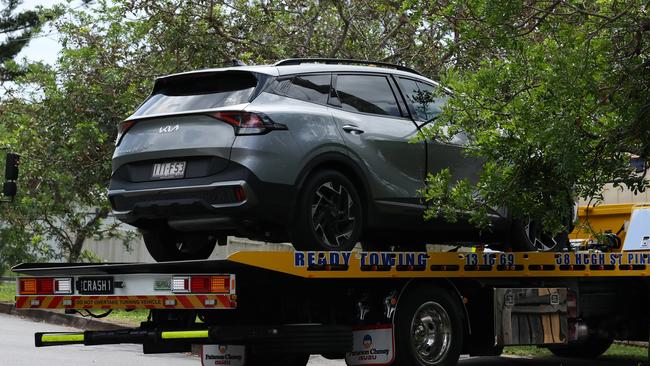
(318, 152)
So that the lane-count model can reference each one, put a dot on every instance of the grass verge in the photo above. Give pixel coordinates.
(7, 291)
(615, 351)
(129, 318)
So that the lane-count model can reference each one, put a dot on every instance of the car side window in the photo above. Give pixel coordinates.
(367, 94)
(425, 99)
(310, 88)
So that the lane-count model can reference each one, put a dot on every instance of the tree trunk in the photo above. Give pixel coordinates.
(83, 233)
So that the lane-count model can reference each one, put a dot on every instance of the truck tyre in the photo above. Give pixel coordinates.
(166, 245)
(590, 349)
(329, 213)
(428, 328)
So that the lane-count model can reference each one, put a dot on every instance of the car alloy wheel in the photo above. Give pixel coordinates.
(540, 240)
(329, 213)
(332, 214)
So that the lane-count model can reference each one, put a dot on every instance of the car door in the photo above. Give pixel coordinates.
(378, 134)
(426, 103)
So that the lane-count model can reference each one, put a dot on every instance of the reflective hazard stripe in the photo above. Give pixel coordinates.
(184, 334)
(72, 337)
(126, 302)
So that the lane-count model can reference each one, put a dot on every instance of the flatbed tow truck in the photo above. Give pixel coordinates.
(369, 308)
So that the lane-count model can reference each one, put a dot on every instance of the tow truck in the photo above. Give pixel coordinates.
(368, 308)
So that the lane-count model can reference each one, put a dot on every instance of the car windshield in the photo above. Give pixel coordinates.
(199, 91)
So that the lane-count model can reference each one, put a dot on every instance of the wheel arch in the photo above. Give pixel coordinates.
(345, 165)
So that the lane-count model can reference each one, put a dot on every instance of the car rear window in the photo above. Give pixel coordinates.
(311, 88)
(199, 91)
(426, 100)
(367, 94)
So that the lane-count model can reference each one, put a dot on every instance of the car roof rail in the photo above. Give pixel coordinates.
(344, 61)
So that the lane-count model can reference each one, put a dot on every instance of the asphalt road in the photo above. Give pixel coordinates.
(17, 349)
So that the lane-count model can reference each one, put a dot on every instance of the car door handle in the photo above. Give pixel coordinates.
(352, 129)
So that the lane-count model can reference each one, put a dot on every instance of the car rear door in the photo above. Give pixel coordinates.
(425, 103)
(378, 133)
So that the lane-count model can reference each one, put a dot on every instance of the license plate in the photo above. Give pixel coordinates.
(95, 285)
(173, 169)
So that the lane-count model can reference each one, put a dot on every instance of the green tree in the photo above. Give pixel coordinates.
(553, 95)
(18, 29)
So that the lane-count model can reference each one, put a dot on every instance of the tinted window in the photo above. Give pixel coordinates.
(367, 93)
(199, 91)
(311, 88)
(426, 100)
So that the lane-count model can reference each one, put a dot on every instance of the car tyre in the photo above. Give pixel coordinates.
(329, 213)
(529, 236)
(166, 245)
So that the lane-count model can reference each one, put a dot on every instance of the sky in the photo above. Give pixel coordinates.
(46, 47)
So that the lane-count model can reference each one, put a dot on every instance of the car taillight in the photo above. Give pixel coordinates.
(122, 130)
(44, 286)
(248, 123)
(201, 284)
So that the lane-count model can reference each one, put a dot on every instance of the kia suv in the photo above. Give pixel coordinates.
(317, 152)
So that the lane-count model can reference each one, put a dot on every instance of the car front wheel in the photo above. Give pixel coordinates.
(329, 213)
(529, 236)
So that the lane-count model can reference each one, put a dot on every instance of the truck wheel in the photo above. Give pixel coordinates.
(589, 349)
(329, 213)
(428, 328)
(166, 245)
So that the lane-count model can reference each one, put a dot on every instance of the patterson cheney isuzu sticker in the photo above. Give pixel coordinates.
(222, 354)
(372, 346)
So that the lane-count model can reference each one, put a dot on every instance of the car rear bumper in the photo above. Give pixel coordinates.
(229, 200)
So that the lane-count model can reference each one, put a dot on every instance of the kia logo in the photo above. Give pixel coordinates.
(168, 129)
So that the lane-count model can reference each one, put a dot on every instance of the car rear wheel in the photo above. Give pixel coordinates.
(329, 213)
(166, 245)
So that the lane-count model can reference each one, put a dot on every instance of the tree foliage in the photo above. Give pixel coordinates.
(554, 96)
(18, 28)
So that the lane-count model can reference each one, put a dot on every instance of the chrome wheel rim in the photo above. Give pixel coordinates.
(430, 333)
(541, 241)
(332, 214)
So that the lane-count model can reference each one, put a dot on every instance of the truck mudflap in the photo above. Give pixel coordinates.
(372, 345)
(223, 354)
(293, 338)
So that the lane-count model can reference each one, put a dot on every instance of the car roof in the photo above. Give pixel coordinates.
(282, 70)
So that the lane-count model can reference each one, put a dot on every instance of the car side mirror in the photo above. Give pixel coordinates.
(10, 188)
